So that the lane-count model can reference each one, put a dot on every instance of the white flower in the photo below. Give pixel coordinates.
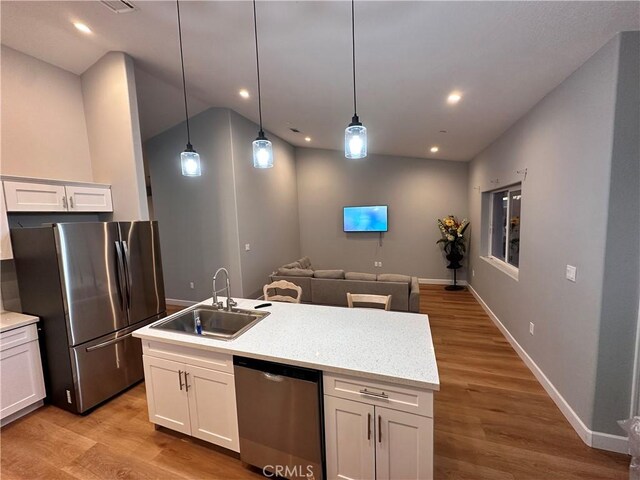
(450, 238)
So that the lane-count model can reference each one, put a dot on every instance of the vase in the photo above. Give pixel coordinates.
(454, 258)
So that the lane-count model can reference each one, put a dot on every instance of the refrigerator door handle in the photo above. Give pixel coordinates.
(121, 280)
(127, 273)
(109, 342)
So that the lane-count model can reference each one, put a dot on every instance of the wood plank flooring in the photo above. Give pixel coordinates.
(492, 421)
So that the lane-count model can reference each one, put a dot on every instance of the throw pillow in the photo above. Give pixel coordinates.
(305, 262)
(292, 265)
(394, 277)
(295, 272)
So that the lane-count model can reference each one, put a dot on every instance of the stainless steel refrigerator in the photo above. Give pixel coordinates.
(92, 284)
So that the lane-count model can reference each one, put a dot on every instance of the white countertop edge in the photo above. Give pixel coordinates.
(227, 347)
(13, 320)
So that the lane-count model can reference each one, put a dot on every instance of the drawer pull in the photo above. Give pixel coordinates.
(373, 394)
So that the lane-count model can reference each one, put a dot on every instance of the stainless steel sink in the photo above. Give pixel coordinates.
(215, 323)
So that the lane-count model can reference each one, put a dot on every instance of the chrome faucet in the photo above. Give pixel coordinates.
(230, 301)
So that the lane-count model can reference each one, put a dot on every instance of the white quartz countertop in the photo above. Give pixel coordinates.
(388, 346)
(11, 320)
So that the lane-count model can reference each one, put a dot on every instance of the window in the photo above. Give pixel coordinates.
(504, 235)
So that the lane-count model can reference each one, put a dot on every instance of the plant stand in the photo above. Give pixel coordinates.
(455, 287)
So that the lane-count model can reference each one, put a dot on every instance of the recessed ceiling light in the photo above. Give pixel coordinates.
(454, 97)
(307, 139)
(434, 149)
(244, 93)
(82, 27)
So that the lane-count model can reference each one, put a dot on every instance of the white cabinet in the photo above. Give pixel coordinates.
(5, 239)
(375, 430)
(22, 382)
(89, 199)
(35, 197)
(186, 397)
(56, 197)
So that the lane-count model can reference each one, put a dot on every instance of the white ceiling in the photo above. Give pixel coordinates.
(503, 56)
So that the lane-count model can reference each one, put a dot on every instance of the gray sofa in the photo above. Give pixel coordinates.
(330, 287)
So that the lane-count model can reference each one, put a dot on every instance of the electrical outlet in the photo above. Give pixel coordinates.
(473, 273)
(531, 328)
(571, 273)
(192, 285)
(247, 247)
(380, 264)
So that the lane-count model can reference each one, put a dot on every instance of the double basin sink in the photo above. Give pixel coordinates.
(215, 322)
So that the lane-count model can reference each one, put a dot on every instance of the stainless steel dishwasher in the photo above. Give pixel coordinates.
(280, 418)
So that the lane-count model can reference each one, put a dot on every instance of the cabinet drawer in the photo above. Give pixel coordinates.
(200, 358)
(18, 336)
(373, 392)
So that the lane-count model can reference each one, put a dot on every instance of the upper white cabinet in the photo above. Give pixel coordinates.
(56, 197)
(89, 199)
(5, 239)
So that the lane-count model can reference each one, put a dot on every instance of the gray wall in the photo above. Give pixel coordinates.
(196, 215)
(417, 190)
(205, 221)
(566, 143)
(619, 314)
(267, 204)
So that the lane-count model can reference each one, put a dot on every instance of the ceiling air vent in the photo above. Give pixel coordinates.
(119, 6)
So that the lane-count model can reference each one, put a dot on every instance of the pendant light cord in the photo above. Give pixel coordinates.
(184, 83)
(353, 51)
(255, 31)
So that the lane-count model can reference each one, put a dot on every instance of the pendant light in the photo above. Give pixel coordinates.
(355, 135)
(189, 159)
(262, 148)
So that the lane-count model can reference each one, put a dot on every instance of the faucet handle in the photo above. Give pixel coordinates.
(232, 302)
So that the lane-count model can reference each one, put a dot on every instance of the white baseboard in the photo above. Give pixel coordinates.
(440, 281)
(180, 303)
(600, 440)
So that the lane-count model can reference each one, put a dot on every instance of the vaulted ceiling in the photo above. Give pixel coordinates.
(502, 56)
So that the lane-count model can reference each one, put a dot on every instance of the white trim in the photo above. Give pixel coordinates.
(180, 303)
(440, 281)
(600, 440)
(501, 265)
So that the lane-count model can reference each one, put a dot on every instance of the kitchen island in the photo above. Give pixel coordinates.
(379, 374)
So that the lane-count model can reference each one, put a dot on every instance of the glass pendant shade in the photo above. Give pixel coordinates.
(262, 153)
(190, 162)
(355, 140)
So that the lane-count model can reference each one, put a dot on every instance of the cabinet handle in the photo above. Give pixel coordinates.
(186, 381)
(373, 394)
(368, 426)
(71, 202)
(180, 378)
(379, 428)
(64, 202)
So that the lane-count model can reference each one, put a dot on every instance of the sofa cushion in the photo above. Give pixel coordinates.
(329, 274)
(292, 265)
(305, 262)
(327, 291)
(370, 277)
(295, 272)
(394, 277)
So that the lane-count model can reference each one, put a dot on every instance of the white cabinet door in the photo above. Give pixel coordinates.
(89, 199)
(212, 407)
(34, 197)
(22, 380)
(5, 240)
(166, 394)
(350, 439)
(404, 445)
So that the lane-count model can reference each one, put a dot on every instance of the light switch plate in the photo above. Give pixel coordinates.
(571, 273)
(192, 285)
(531, 327)
(247, 247)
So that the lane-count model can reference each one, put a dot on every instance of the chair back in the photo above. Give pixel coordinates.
(282, 285)
(367, 298)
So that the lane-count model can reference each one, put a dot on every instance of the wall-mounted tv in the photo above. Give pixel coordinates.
(366, 219)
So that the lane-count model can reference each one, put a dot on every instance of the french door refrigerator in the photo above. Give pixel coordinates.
(92, 284)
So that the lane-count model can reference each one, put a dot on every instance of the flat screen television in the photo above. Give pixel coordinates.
(366, 219)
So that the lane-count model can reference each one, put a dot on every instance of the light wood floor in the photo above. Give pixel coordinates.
(492, 421)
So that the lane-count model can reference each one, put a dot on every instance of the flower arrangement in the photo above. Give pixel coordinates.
(452, 234)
